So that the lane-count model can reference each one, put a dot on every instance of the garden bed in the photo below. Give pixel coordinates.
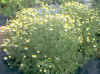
(68, 32)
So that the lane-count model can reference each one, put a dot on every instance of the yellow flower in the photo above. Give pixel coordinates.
(5, 58)
(50, 66)
(81, 39)
(24, 56)
(34, 56)
(51, 29)
(38, 65)
(41, 70)
(89, 33)
(14, 30)
(93, 39)
(41, 22)
(88, 39)
(87, 28)
(94, 46)
(38, 51)
(47, 15)
(49, 58)
(66, 25)
(9, 56)
(45, 70)
(5, 49)
(26, 48)
(27, 41)
(45, 20)
(15, 45)
(21, 65)
(45, 56)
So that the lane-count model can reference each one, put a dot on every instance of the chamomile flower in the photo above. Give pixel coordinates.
(26, 48)
(38, 51)
(34, 56)
(5, 58)
(27, 40)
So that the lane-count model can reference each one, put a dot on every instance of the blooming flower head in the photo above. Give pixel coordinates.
(34, 56)
(26, 48)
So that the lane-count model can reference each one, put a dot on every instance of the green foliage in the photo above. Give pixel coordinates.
(9, 7)
(96, 4)
(56, 1)
(44, 42)
(3, 1)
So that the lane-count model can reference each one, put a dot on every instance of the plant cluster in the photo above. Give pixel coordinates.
(9, 7)
(44, 42)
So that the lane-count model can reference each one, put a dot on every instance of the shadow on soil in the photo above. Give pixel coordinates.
(4, 67)
(90, 67)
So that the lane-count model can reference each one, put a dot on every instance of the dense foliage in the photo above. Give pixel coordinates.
(56, 1)
(9, 7)
(44, 42)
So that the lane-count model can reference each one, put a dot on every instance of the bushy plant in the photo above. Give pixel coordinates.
(86, 22)
(9, 7)
(44, 42)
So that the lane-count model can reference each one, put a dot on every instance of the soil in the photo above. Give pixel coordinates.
(90, 67)
(3, 19)
(4, 69)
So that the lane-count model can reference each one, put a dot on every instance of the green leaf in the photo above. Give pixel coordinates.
(3, 1)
